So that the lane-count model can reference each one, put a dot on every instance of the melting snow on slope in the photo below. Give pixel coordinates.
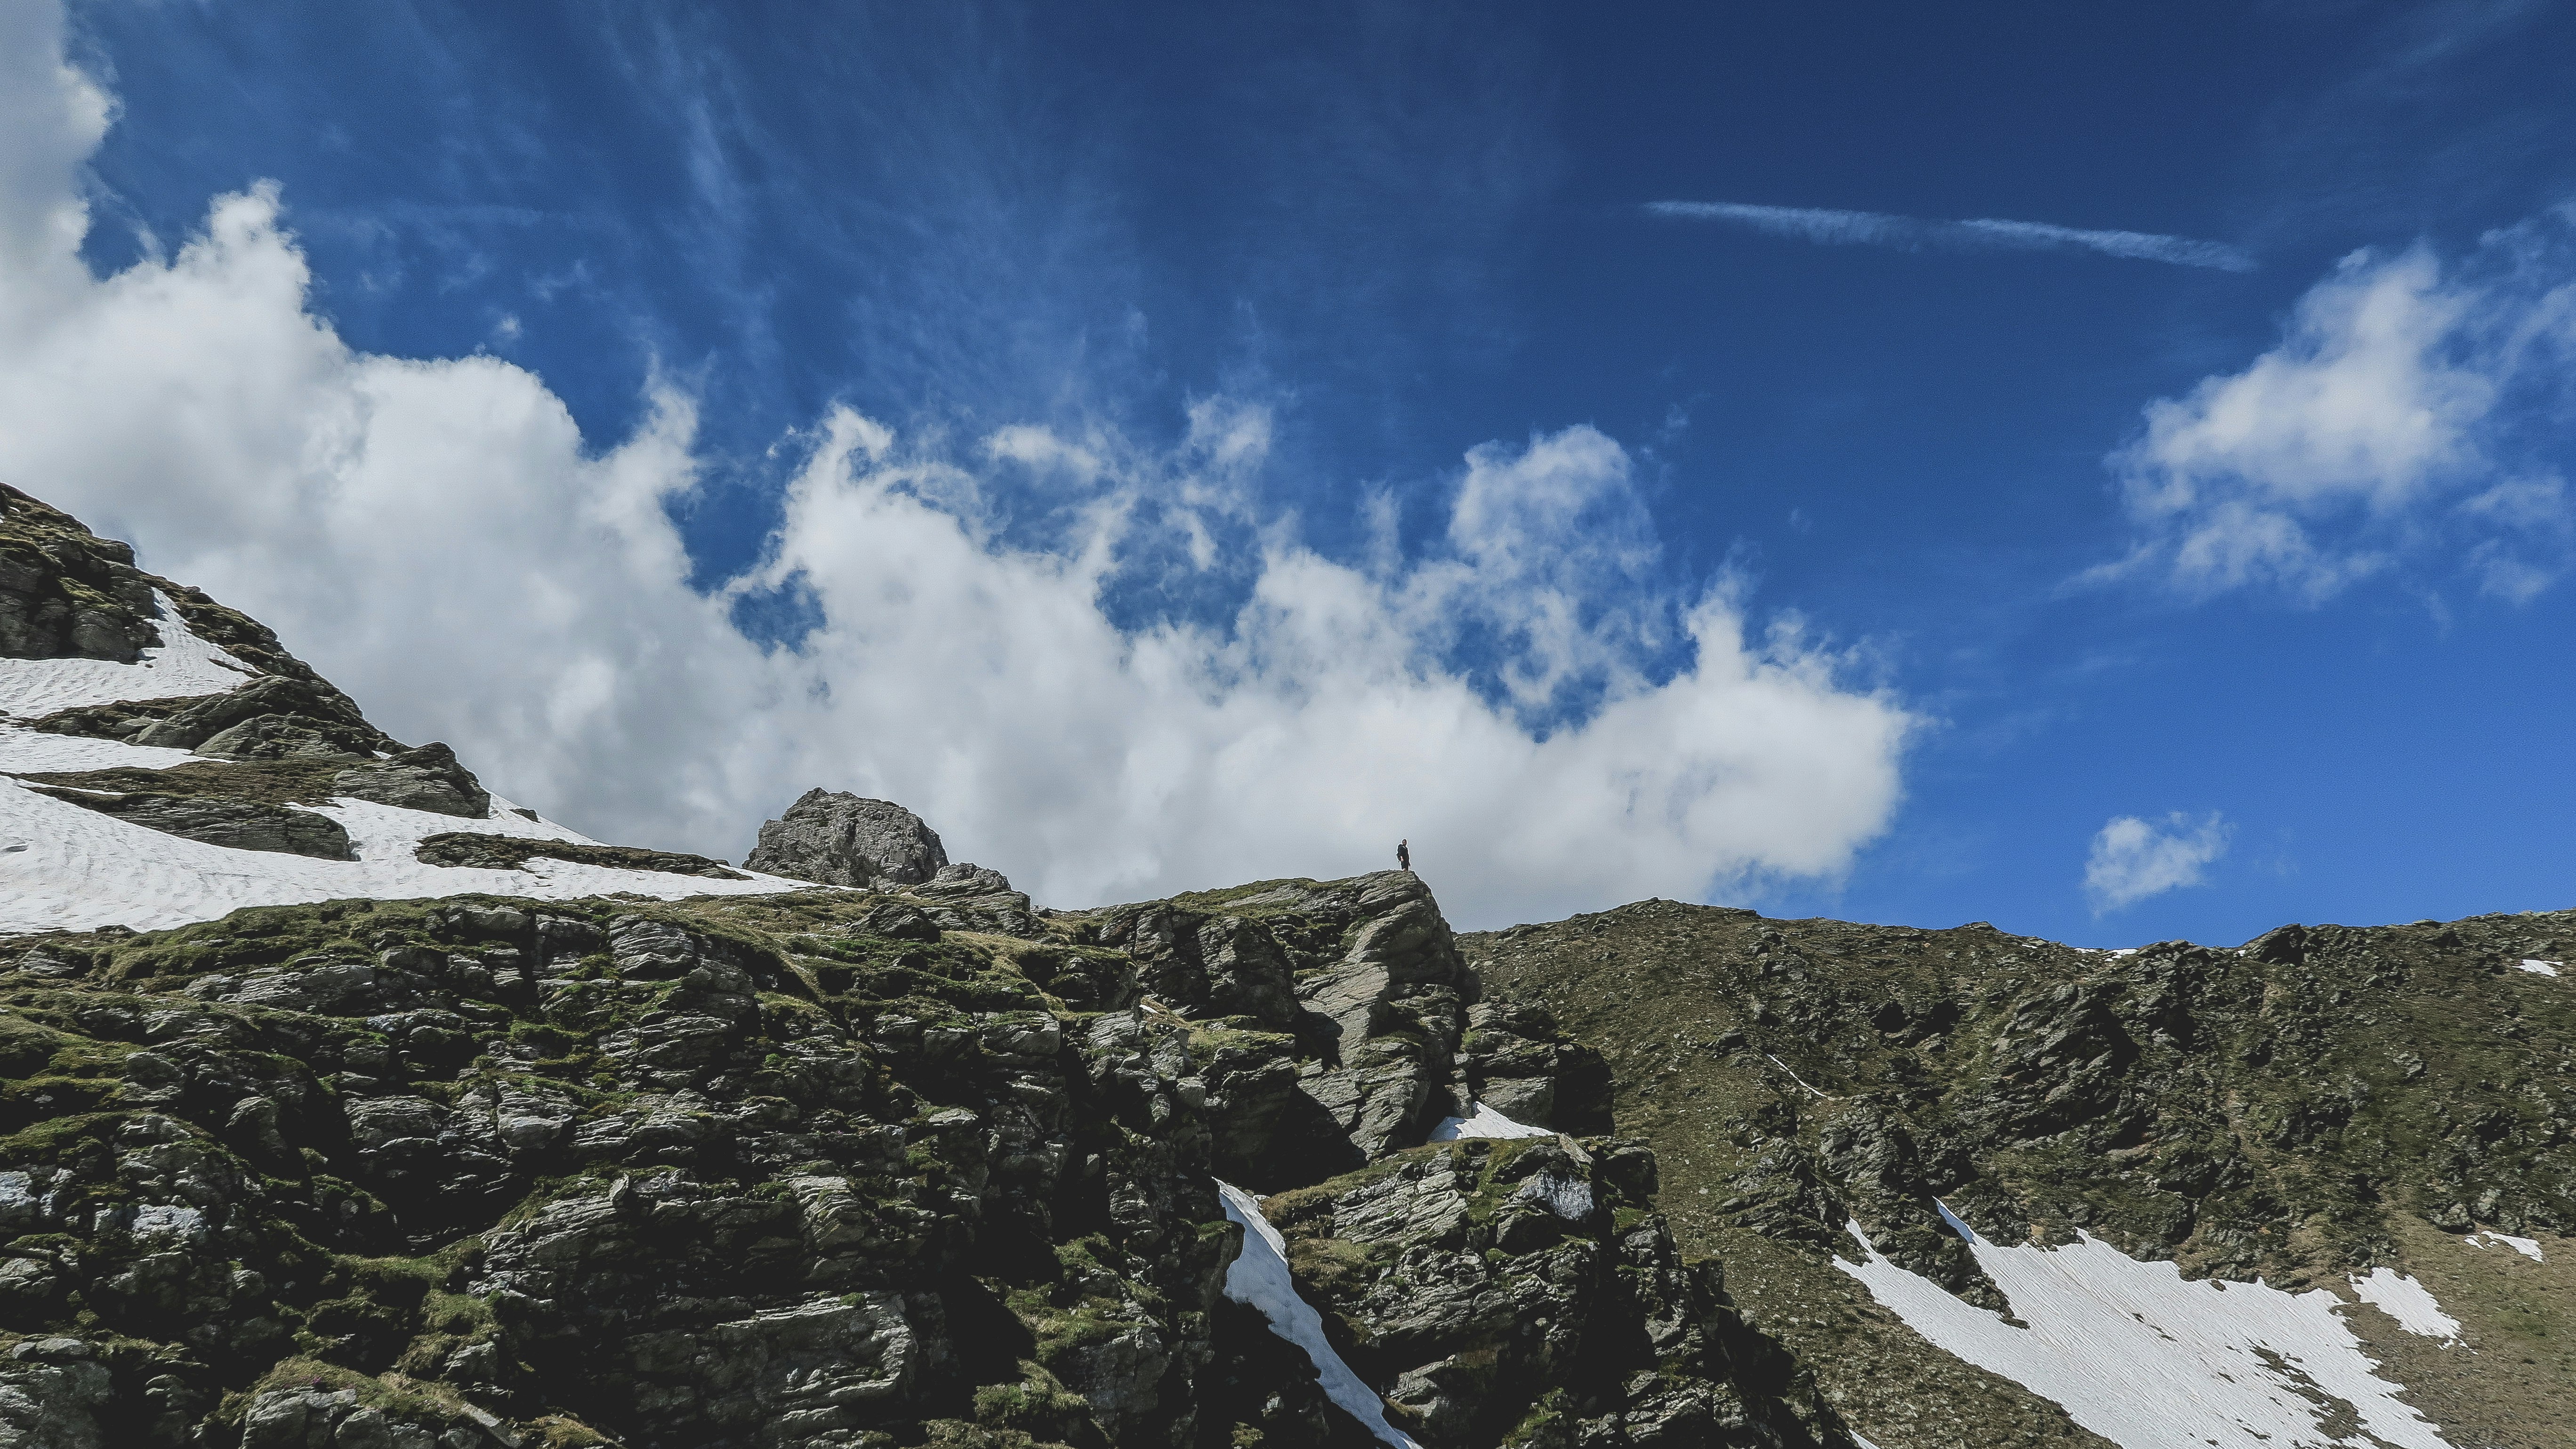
(65, 868)
(2409, 1302)
(2143, 1358)
(2528, 1247)
(184, 665)
(2541, 968)
(1258, 1277)
(1483, 1121)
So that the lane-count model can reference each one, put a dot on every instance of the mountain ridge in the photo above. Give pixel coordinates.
(2321, 1105)
(343, 1102)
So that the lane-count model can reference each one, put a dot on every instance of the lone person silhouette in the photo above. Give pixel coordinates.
(1403, 856)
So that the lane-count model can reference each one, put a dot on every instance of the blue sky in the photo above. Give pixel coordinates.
(1363, 241)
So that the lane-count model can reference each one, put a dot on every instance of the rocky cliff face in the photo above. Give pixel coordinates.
(803, 1169)
(707, 1157)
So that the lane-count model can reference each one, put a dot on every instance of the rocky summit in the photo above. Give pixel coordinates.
(344, 1102)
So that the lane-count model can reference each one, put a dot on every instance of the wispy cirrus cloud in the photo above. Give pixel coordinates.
(1914, 233)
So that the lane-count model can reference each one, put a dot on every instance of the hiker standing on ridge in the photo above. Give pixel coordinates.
(1403, 857)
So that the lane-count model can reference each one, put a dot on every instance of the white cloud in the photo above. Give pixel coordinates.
(2133, 859)
(1913, 233)
(2390, 425)
(438, 537)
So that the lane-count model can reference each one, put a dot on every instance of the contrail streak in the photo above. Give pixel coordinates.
(1914, 233)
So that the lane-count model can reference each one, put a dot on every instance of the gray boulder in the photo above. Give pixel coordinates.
(835, 838)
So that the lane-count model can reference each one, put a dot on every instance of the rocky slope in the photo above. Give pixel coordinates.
(463, 1129)
(2367, 1112)
(345, 1103)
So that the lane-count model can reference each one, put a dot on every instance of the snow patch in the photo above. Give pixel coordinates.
(184, 666)
(2528, 1247)
(1483, 1121)
(2542, 968)
(33, 752)
(64, 868)
(2409, 1302)
(1259, 1278)
(2147, 1360)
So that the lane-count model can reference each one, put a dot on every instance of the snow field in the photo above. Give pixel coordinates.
(2541, 968)
(183, 666)
(2147, 1360)
(1259, 1278)
(65, 868)
(1483, 1121)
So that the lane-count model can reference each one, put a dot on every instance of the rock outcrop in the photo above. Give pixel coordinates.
(65, 593)
(835, 838)
(428, 778)
(808, 1169)
(1523, 1292)
(898, 1160)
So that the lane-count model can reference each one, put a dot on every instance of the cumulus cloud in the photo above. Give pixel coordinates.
(2408, 413)
(439, 537)
(2134, 858)
(1913, 233)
